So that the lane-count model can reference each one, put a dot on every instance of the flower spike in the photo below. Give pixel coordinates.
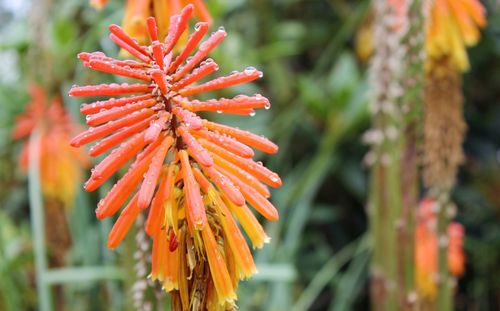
(189, 174)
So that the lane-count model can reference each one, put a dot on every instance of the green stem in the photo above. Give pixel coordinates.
(37, 222)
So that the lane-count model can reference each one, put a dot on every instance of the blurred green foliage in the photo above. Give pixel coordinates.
(318, 256)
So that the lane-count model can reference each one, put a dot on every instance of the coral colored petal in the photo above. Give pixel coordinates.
(112, 163)
(191, 120)
(205, 48)
(149, 184)
(156, 127)
(158, 54)
(223, 82)
(227, 105)
(261, 204)
(110, 103)
(257, 170)
(178, 25)
(122, 189)
(206, 67)
(200, 30)
(258, 142)
(152, 28)
(232, 145)
(195, 149)
(127, 47)
(108, 89)
(120, 33)
(118, 70)
(241, 174)
(118, 112)
(108, 128)
(194, 204)
(123, 223)
(225, 185)
(113, 140)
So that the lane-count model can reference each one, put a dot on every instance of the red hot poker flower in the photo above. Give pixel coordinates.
(193, 174)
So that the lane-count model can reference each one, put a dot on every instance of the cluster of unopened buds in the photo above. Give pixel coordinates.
(195, 176)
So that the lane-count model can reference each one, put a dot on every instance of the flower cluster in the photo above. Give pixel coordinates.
(426, 249)
(60, 165)
(453, 26)
(193, 174)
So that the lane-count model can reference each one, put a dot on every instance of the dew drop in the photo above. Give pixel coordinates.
(221, 28)
(267, 106)
(252, 113)
(249, 70)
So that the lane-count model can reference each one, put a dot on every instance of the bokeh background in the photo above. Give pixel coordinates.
(316, 77)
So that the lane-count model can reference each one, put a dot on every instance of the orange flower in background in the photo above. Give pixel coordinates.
(137, 11)
(98, 4)
(196, 176)
(60, 165)
(426, 249)
(453, 26)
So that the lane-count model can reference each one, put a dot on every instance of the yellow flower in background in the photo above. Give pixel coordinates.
(453, 26)
(60, 164)
(137, 11)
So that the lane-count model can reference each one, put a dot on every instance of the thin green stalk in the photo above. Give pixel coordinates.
(37, 222)
(328, 272)
(445, 292)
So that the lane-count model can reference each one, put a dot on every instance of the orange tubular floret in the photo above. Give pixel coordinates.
(195, 149)
(110, 204)
(112, 163)
(218, 269)
(171, 280)
(257, 170)
(225, 185)
(194, 204)
(153, 30)
(249, 223)
(241, 174)
(110, 103)
(158, 55)
(85, 56)
(223, 82)
(260, 203)
(160, 79)
(232, 145)
(158, 255)
(203, 51)
(233, 104)
(108, 89)
(108, 128)
(118, 112)
(156, 127)
(117, 70)
(207, 67)
(123, 223)
(237, 243)
(178, 27)
(192, 121)
(194, 39)
(113, 140)
(156, 213)
(120, 33)
(127, 47)
(149, 184)
(258, 142)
